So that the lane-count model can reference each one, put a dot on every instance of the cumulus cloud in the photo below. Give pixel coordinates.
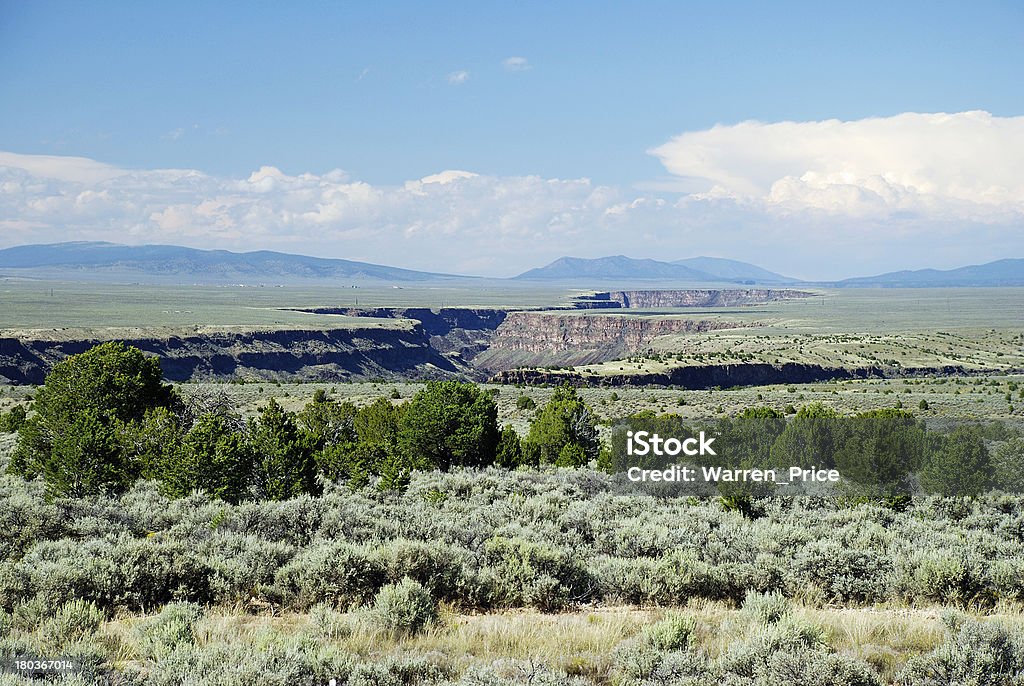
(452, 220)
(817, 200)
(966, 165)
(457, 78)
(515, 64)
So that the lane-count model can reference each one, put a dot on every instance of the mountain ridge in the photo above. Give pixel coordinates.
(107, 261)
(216, 265)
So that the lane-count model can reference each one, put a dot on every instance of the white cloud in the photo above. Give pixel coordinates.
(967, 165)
(816, 200)
(516, 64)
(457, 78)
(75, 169)
(447, 176)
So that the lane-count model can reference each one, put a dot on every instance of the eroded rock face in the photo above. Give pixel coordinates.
(469, 343)
(536, 339)
(724, 376)
(297, 354)
(690, 297)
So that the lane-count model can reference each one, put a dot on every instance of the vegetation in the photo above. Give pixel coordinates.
(418, 542)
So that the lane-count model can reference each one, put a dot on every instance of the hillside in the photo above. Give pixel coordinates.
(734, 270)
(145, 262)
(1008, 272)
(617, 267)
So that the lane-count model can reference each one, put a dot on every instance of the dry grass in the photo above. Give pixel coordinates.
(581, 641)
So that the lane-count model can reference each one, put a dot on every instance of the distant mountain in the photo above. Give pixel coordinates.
(111, 260)
(699, 269)
(618, 267)
(1009, 272)
(734, 270)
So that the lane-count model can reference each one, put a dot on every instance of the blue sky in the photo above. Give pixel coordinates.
(554, 92)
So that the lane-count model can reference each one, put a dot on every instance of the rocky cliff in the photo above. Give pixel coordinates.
(543, 338)
(297, 354)
(692, 297)
(724, 376)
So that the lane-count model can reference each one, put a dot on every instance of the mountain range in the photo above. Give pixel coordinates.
(157, 262)
(697, 269)
(110, 261)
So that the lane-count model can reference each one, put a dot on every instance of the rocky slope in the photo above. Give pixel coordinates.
(295, 354)
(724, 376)
(542, 338)
(417, 343)
(690, 297)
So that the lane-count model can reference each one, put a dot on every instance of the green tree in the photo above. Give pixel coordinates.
(329, 422)
(525, 402)
(12, 420)
(509, 452)
(448, 424)
(959, 466)
(879, 452)
(750, 436)
(153, 441)
(283, 464)
(87, 458)
(810, 439)
(378, 422)
(211, 457)
(564, 420)
(1009, 466)
(84, 410)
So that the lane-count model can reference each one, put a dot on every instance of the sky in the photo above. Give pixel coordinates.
(821, 140)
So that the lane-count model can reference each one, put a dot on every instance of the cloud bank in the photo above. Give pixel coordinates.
(968, 165)
(814, 199)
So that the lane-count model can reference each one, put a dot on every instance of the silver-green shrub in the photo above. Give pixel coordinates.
(974, 654)
(405, 608)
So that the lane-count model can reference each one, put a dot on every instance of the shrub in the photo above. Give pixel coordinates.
(73, 620)
(405, 608)
(680, 575)
(766, 608)
(671, 633)
(942, 576)
(337, 573)
(843, 572)
(527, 573)
(973, 653)
(440, 568)
(172, 627)
(525, 402)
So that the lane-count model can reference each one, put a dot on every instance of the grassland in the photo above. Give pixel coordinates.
(70, 305)
(580, 643)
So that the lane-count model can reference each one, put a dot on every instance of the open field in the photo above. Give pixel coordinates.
(594, 645)
(546, 578)
(30, 304)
